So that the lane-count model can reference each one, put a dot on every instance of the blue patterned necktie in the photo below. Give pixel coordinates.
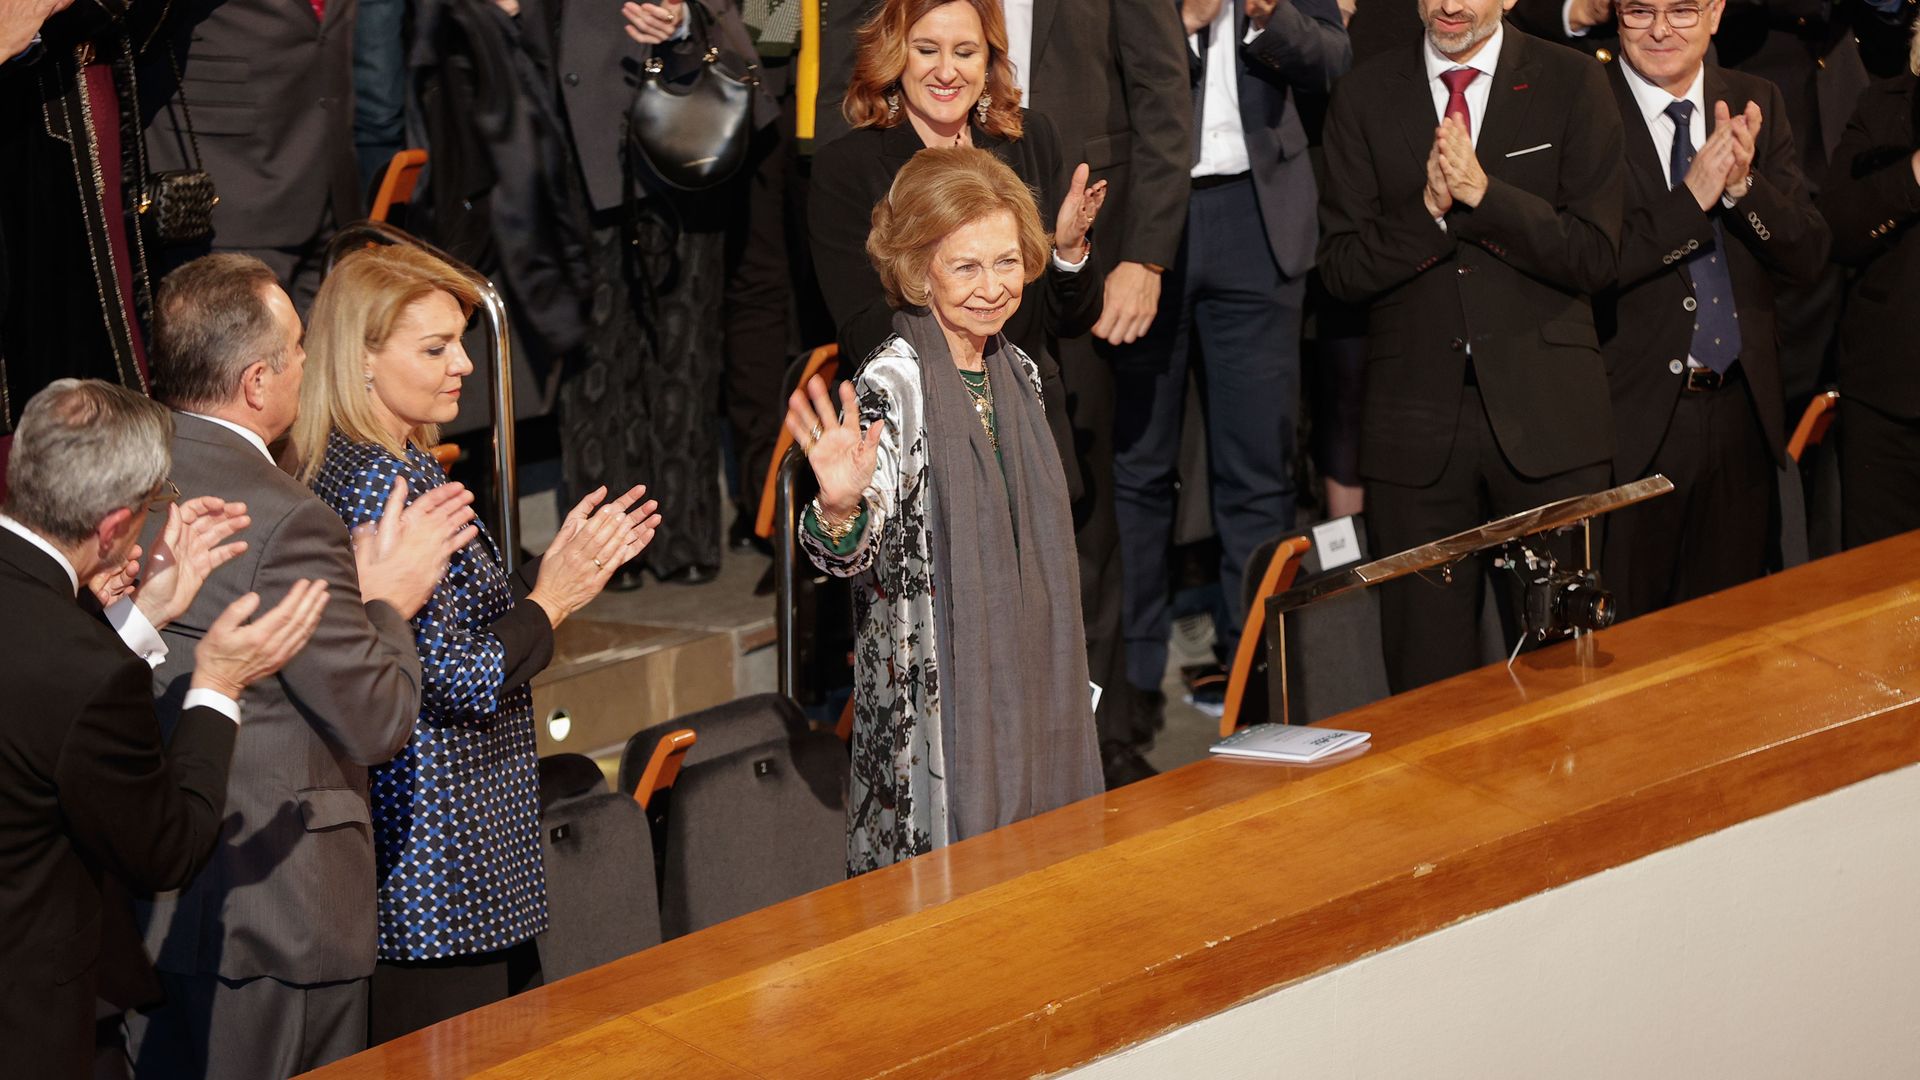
(1716, 326)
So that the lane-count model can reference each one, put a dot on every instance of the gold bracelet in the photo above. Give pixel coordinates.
(835, 531)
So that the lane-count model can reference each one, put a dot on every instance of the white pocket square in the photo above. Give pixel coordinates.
(1531, 150)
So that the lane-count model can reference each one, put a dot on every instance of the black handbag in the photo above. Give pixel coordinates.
(178, 204)
(695, 136)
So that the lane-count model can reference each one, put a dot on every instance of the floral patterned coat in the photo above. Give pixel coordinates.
(897, 802)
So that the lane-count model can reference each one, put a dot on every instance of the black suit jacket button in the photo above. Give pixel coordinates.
(1464, 271)
(1457, 344)
(1689, 303)
(573, 78)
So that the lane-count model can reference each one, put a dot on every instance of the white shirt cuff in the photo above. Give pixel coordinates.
(139, 635)
(212, 699)
(1072, 267)
(1252, 32)
(1566, 21)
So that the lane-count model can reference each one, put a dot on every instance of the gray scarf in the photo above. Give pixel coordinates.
(1016, 717)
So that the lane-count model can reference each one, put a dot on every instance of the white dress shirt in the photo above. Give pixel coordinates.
(1484, 61)
(1223, 140)
(129, 622)
(1019, 15)
(245, 433)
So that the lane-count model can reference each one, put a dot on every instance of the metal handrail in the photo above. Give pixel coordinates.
(506, 477)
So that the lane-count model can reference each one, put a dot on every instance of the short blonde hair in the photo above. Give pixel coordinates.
(935, 193)
(354, 314)
(1913, 49)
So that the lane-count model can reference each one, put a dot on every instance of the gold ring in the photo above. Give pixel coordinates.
(815, 434)
(598, 565)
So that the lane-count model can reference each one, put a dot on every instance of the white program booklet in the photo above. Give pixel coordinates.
(1281, 742)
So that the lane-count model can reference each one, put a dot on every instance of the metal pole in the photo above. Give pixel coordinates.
(785, 558)
(506, 467)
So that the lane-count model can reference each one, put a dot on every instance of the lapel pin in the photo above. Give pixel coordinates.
(1523, 86)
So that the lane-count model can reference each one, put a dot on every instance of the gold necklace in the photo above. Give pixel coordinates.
(983, 403)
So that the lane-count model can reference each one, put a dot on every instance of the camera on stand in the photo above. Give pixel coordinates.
(1556, 601)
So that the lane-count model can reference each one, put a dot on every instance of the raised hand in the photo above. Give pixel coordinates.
(1466, 181)
(1198, 13)
(116, 583)
(1711, 172)
(651, 24)
(594, 541)
(1745, 131)
(841, 455)
(234, 655)
(191, 546)
(402, 557)
(1077, 212)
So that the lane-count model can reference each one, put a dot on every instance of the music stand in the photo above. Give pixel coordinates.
(1444, 553)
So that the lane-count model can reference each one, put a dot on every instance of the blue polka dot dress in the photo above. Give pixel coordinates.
(456, 816)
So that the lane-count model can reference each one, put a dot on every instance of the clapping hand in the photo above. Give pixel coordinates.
(594, 541)
(1077, 212)
(1744, 130)
(402, 557)
(1712, 169)
(191, 546)
(234, 655)
(841, 455)
(651, 24)
(1466, 181)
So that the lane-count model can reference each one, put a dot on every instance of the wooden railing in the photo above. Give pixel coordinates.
(1061, 939)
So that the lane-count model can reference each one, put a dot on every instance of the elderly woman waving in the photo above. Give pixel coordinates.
(941, 493)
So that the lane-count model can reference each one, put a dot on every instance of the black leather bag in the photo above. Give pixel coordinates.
(693, 134)
(178, 204)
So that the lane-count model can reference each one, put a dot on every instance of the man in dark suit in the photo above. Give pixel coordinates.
(264, 99)
(1235, 297)
(1112, 77)
(92, 801)
(266, 955)
(1477, 247)
(1872, 202)
(1715, 225)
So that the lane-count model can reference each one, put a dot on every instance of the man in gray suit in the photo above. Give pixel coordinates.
(1235, 296)
(261, 93)
(265, 956)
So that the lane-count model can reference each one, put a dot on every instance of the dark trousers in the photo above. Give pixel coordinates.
(1225, 300)
(246, 1029)
(409, 995)
(1712, 531)
(1431, 627)
(1879, 473)
(1087, 373)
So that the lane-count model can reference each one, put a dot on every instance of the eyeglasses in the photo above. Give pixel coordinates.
(1643, 18)
(166, 493)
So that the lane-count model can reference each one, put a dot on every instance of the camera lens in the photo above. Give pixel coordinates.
(1586, 607)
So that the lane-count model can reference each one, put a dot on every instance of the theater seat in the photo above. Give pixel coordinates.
(1335, 661)
(397, 183)
(602, 901)
(752, 828)
(719, 730)
(1282, 563)
(569, 776)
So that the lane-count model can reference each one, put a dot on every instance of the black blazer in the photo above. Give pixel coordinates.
(1112, 76)
(1511, 279)
(91, 804)
(1873, 203)
(855, 171)
(1775, 239)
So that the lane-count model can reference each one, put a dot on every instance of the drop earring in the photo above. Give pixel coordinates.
(980, 107)
(367, 375)
(893, 104)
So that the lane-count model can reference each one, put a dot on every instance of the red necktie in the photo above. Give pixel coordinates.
(319, 8)
(1457, 82)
